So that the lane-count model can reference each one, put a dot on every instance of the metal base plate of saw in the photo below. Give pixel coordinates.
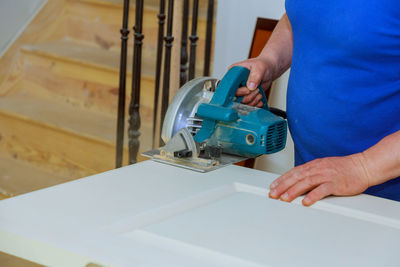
(184, 152)
(206, 127)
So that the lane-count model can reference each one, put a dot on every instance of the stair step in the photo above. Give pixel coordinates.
(99, 22)
(92, 56)
(13, 261)
(151, 4)
(85, 54)
(59, 137)
(17, 177)
(59, 115)
(57, 67)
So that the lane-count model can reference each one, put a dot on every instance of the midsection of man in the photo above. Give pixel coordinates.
(344, 87)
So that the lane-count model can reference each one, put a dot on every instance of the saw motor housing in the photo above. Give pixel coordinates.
(239, 129)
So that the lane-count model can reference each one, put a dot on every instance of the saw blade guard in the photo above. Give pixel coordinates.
(181, 112)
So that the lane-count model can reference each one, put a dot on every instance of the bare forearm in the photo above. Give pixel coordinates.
(382, 161)
(274, 59)
(279, 47)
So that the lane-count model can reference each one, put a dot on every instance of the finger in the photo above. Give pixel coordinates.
(318, 193)
(244, 63)
(288, 179)
(289, 173)
(260, 104)
(256, 100)
(265, 85)
(250, 97)
(300, 188)
(242, 91)
(255, 76)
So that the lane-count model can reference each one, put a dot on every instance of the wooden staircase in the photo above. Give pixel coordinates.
(59, 89)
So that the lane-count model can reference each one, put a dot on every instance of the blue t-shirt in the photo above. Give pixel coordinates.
(344, 87)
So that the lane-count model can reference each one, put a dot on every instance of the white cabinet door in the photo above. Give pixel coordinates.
(151, 214)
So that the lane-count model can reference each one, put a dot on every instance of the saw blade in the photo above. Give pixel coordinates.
(182, 110)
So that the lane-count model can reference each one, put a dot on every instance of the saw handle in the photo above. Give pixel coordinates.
(239, 99)
(235, 78)
(220, 107)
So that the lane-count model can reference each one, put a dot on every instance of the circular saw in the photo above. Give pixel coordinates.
(207, 127)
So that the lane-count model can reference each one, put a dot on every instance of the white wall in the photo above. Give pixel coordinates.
(236, 20)
(15, 15)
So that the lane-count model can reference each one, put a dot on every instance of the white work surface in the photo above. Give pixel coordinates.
(151, 214)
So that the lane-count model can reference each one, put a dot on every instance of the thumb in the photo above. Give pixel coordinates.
(255, 78)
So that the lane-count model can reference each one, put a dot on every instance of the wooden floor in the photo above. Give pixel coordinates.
(7, 260)
(19, 177)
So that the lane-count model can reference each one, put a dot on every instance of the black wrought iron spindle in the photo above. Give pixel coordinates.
(193, 40)
(161, 22)
(167, 62)
(184, 41)
(209, 32)
(134, 120)
(122, 86)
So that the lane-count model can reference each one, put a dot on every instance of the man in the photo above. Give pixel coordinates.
(343, 99)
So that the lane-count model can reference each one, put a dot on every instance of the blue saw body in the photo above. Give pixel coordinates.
(239, 129)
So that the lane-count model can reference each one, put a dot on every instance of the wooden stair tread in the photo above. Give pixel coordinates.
(61, 116)
(13, 261)
(58, 115)
(18, 177)
(85, 54)
(148, 4)
(153, 4)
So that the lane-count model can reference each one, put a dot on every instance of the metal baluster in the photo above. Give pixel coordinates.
(161, 22)
(193, 40)
(122, 86)
(167, 62)
(134, 120)
(184, 41)
(209, 31)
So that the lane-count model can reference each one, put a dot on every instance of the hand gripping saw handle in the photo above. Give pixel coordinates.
(220, 107)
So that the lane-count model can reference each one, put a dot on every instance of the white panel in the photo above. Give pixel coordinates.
(151, 214)
(273, 233)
